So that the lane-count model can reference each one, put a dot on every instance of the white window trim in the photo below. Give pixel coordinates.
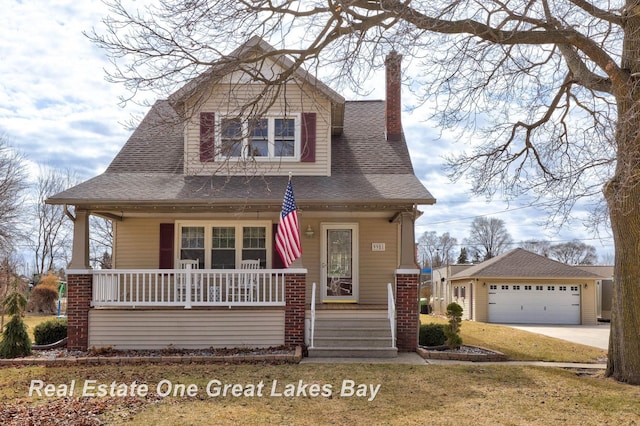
(271, 136)
(209, 224)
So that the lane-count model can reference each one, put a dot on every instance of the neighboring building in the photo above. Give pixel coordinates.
(520, 287)
(195, 195)
(604, 285)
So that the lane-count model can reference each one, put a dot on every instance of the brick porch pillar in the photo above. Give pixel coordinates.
(78, 304)
(407, 313)
(294, 296)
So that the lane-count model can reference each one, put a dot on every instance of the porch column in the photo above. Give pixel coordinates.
(407, 313)
(294, 296)
(407, 241)
(80, 251)
(79, 283)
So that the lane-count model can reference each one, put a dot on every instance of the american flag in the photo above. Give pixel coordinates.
(288, 235)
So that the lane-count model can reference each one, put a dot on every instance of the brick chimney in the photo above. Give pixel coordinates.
(393, 67)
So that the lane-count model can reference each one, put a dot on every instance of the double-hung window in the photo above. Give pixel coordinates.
(269, 138)
(223, 245)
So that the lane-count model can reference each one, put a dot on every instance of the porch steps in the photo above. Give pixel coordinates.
(348, 337)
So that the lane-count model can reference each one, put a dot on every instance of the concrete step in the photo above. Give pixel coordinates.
(350, 331)
(352, 342)
(352, 322)
(339, 352)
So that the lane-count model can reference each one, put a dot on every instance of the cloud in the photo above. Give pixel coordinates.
(57, 109)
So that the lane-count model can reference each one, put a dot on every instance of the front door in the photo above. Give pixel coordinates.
(339, 262)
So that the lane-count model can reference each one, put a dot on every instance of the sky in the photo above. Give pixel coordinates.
(58, 110)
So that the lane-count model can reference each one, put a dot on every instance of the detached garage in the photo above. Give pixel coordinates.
(521, 287)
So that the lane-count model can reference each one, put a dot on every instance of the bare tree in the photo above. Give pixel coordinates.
(435, 250)
(51, 240)
(550, 88)
(101, 242)
(488, 237)
(13, 183)
(540, 247)
(574, 253)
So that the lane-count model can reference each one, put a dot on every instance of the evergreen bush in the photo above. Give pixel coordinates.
(51, 331)
(15, 339)
(432, 335)
(454, 313)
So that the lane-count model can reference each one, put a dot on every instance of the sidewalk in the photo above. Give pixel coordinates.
(412, 358)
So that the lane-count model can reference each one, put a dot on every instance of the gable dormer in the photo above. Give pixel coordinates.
(236, 124)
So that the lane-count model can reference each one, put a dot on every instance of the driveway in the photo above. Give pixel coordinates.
(590, 335)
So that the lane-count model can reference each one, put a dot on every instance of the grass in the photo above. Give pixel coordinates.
(475, 394)
(522, 345)
(431, 394)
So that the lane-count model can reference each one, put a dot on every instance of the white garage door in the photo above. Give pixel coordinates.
(534, 304)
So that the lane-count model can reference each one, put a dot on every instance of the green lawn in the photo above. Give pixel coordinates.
(257, 394)
(431, 394)
(522, 345)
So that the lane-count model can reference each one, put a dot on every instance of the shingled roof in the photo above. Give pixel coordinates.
(366, 170)
(520, 263)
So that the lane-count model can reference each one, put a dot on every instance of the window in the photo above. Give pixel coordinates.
(231, 137)
(527, 287)
(574, 288)
(516, 287)
(551, 287)
(563, 288)
(261, 138)
(223, 245)
(539, 287)
(493, 287)
(192, 244)
(505, 287)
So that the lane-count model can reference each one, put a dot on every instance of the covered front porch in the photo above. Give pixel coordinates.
(152, 307)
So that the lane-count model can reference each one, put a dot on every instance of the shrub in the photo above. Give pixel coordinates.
(432, 335)
(15, 339)
(454, 313)
(43, 299)
(50, 331)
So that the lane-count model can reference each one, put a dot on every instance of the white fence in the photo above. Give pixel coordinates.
(188, 287)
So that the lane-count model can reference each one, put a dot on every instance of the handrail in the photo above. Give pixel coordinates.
(313, 314)
(391, 314)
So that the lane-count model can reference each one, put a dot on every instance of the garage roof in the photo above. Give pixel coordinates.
(520, 263)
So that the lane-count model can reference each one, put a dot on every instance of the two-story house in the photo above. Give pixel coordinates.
(195, 197)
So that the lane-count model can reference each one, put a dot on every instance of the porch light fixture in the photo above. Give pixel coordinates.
(309, 232)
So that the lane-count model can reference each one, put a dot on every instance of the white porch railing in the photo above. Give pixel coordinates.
(313, 315)
(188, 287)
(391, 314)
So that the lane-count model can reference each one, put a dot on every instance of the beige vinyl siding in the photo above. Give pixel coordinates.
(377, 268)
(188, 329)
(137, 242)
(588, 304)
(227, 99)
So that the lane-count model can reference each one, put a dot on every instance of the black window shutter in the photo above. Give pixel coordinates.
(166, 245)
(207, 136)
(276, 260)
(308, 137)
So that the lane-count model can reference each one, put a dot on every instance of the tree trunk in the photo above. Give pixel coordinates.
(624, 342)
(622, 193)
(623, 199)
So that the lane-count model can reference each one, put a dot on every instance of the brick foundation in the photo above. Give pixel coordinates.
(294, 296)
(78, 304)
(407, 313)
